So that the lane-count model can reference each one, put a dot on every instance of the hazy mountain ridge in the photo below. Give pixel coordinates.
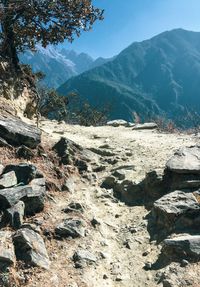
(160, 75)
(59, 65)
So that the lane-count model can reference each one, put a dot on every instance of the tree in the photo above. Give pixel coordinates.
(24, 23)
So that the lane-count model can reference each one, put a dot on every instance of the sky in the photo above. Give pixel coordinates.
(127, 21)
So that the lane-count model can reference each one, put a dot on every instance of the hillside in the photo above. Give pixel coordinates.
(154, 77)
(59, 65)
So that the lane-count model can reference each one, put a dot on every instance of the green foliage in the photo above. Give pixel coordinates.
(51, 105)
(24, 23)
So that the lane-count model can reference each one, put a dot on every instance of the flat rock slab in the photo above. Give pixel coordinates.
(188, 245)
(8, 180)
(145, 126)
(7, 253)
(16, 132)
(30, 248)
(185, 160)
(71, 228)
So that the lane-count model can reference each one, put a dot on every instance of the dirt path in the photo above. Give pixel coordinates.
(120, 240)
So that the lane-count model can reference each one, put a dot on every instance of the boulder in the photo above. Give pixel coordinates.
(24, 172)
(176, 211)
(183, 246)
(70, 228)
(145, 126)
(8, 179)
(185, 161)
(16, 132)
(14, 216)
(7, 253)
(30, 248)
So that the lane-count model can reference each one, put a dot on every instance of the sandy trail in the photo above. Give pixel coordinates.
(121, 237)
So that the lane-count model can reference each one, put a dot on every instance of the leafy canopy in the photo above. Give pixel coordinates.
(23, 23)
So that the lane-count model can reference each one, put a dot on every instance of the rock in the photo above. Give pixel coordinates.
(70, 228)
(74, 206)
(176, 211)
(148, 266)
(85, 256)
(8, 179)
(129, 192)
(24, 152)
(119, 174)
(14, 215)
(11, 196)
(72, 153)
(109, 182)
(7, 254)
(183, 246)
(35, 197)
(32, 195)
(102, 152)
(1, 168)
(95, 222)
(3, 143)
(185, 160)
(117, 123)
(184, 263)
(30, 248)
(16, 132)
(69, 185)
(145, 126)
(24, 172)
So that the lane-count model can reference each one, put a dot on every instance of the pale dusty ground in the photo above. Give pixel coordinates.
(123, 267)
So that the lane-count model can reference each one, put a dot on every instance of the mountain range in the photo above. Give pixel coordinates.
(159, 76)
(58, 65)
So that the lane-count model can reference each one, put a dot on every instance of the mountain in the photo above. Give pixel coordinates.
(58, 65)
(159, 76)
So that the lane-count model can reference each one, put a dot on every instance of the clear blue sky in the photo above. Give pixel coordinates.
(127, 21)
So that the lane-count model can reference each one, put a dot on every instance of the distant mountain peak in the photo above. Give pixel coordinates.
(158, 76)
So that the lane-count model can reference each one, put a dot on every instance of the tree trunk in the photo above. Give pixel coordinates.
(9, 51)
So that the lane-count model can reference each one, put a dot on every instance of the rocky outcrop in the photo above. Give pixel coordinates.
(17, 132)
